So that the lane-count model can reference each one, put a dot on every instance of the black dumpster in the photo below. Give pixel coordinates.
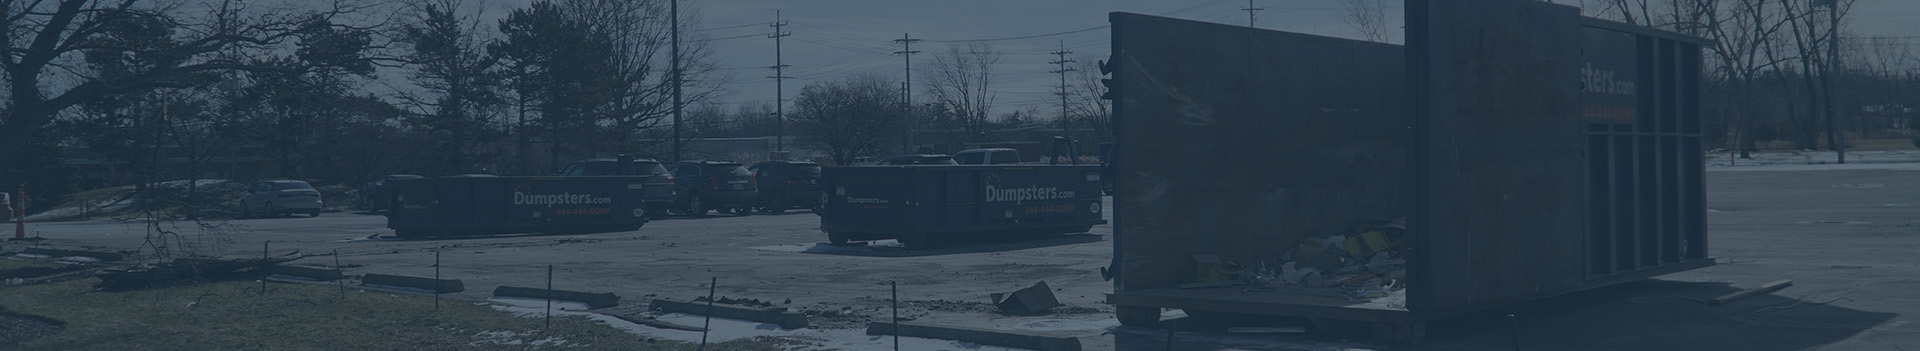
(451, 206)
(1512, 151)
(924, 204)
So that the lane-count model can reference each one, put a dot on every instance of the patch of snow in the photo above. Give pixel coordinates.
(827, 248)
(723, 330)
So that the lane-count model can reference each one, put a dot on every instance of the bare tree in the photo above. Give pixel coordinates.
(960, 82)
(849, 118)
(1085, 108)
(1816, 61)
(41, 52)
(1369, 17)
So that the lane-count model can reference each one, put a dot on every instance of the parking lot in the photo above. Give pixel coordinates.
(1845, 237)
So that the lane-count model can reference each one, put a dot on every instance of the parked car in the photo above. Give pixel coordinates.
(920, 159)
(988, 156)
(657, 193)
(790, 184)
(701, 186)
(280, 197)
(378, 196)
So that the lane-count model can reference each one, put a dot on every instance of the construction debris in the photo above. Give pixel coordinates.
(1369, 265)
(1034, 299)
(186, 270)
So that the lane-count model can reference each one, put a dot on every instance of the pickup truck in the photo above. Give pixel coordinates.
(988, 156)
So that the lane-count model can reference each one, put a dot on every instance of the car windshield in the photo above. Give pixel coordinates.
(735, 170)
(292, 185)
(650, 167)
(599, 169)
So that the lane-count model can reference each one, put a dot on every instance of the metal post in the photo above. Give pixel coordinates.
(20, 214)
(549, 296)
(1515, 323)
(1169, 339)
(712, 287)
(263, 267)
(343, 275)
(436, 279)
(896, 314)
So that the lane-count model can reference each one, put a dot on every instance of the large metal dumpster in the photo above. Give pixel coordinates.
(925, 204)
(1530, 151)
(451, 206)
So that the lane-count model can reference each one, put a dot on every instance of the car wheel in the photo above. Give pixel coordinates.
(315, 213)
(271, 212)
(695, 207)
(837, 238)
(743, 211)
(245, 211)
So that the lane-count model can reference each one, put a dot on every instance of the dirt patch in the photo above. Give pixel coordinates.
(16, 330)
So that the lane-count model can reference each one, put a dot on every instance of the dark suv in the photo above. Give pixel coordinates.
(714, 185)
(790, 184)
(657, 194)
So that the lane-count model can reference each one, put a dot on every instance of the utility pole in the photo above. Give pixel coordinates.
(674, 12)
(1835, 138)
(779, 91)
(1062, 62)
(906, 42)
(1250, 10)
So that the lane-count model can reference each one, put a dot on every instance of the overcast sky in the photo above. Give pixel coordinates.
(834, 38)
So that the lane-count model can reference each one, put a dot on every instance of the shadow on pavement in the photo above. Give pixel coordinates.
(1645, 315)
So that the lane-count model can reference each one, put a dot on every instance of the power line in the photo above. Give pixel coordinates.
(1021, 37)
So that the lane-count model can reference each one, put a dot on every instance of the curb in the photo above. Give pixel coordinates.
(323, 274)
(429, 284)
(786, 320)
(593, 300)
(1033, 341)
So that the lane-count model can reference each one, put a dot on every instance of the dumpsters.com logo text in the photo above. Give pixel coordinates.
(549, 200)
(1029, 193)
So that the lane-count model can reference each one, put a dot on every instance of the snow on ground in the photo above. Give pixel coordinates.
(723, 329)
(1803, 157)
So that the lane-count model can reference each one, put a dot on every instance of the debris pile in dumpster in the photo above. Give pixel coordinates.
(1368, 266)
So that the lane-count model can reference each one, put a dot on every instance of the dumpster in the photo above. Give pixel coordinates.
(453, 206)
(928, 204)
(1512, 151)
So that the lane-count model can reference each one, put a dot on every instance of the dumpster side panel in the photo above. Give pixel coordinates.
(1242, 143)
(866, 199)
(1499, 170)
(951, 202)
(456, 206)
